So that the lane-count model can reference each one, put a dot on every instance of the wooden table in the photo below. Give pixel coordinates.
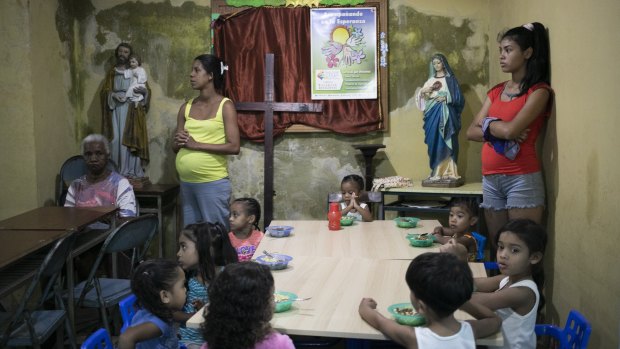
(338, 278)
(165, 197)
(16, 244)
(19, 259)
(59, 221)
(377, 239)
(57, 218)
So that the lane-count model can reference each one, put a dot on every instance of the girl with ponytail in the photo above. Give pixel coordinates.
(509, 124)
(516, 294)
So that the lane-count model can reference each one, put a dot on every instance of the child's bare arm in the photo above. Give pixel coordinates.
(516, 298)
(181, 316)
(400, 334)
(138, 333)
(486, 323)
(365, 212)
(488, 284)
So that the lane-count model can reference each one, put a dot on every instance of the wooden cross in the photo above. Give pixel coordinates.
(268, 107)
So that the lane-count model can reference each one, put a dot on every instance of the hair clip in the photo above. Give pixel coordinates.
(223, 68)
(529, 26)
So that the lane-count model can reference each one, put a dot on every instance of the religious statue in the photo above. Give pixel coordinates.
(124, 116)
(442, 102)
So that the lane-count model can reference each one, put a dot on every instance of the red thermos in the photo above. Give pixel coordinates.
(334, 216)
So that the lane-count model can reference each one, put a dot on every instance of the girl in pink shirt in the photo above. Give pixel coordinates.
(240, 308)
(245, 234)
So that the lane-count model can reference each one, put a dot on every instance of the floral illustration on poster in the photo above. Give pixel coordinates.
(343, 49)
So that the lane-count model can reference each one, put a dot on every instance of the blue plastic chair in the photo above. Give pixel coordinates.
(574, 335)
(481, 241)
(128, 309)
(491, 266)
(98, 340)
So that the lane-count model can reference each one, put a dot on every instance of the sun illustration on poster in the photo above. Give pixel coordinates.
(346, 46)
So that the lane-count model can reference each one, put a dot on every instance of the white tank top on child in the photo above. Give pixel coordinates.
(356, 215)
(518, 330)
(463, 339)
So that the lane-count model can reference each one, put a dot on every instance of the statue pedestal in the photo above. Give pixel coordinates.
(443, 183)
(368, 151)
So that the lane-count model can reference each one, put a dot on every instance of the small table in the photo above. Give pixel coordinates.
(57, 218)
(472, 190)
(165, 196)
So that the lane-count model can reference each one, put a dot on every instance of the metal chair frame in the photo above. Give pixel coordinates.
(30, 326)
(135, 234)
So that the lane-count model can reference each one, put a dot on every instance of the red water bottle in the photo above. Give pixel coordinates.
(334, 216)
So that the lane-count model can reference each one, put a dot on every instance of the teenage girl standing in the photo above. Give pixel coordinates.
(509, 123)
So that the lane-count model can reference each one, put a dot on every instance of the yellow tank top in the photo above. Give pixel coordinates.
(196, 166)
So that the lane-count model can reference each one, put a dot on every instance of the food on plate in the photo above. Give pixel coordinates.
(405, 311)
(280, 298)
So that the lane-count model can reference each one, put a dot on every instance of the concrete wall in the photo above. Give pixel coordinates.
(56, 53)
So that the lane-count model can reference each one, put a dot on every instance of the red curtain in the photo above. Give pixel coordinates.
(242, 40)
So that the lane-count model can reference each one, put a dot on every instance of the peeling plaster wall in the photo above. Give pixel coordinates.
(78, 39)
(307, 166)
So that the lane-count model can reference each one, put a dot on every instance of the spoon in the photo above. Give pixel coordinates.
(300, 299)
(272, 256)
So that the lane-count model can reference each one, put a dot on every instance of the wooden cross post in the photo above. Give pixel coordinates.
(268, 107)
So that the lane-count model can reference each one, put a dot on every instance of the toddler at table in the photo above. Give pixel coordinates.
(463, 217)
(516, 294)
(204, 249)
(159, 285)
(245, 235)
(241, 307)
(351, 187)
(440, 284)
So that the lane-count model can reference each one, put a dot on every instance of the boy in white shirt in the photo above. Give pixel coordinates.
(440, 283)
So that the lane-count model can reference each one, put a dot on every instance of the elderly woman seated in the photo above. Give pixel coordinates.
(100, 186)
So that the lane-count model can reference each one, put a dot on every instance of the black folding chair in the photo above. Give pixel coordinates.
(103, 293)
(29, 326)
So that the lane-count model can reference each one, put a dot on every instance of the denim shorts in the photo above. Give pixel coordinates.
(504, 192)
